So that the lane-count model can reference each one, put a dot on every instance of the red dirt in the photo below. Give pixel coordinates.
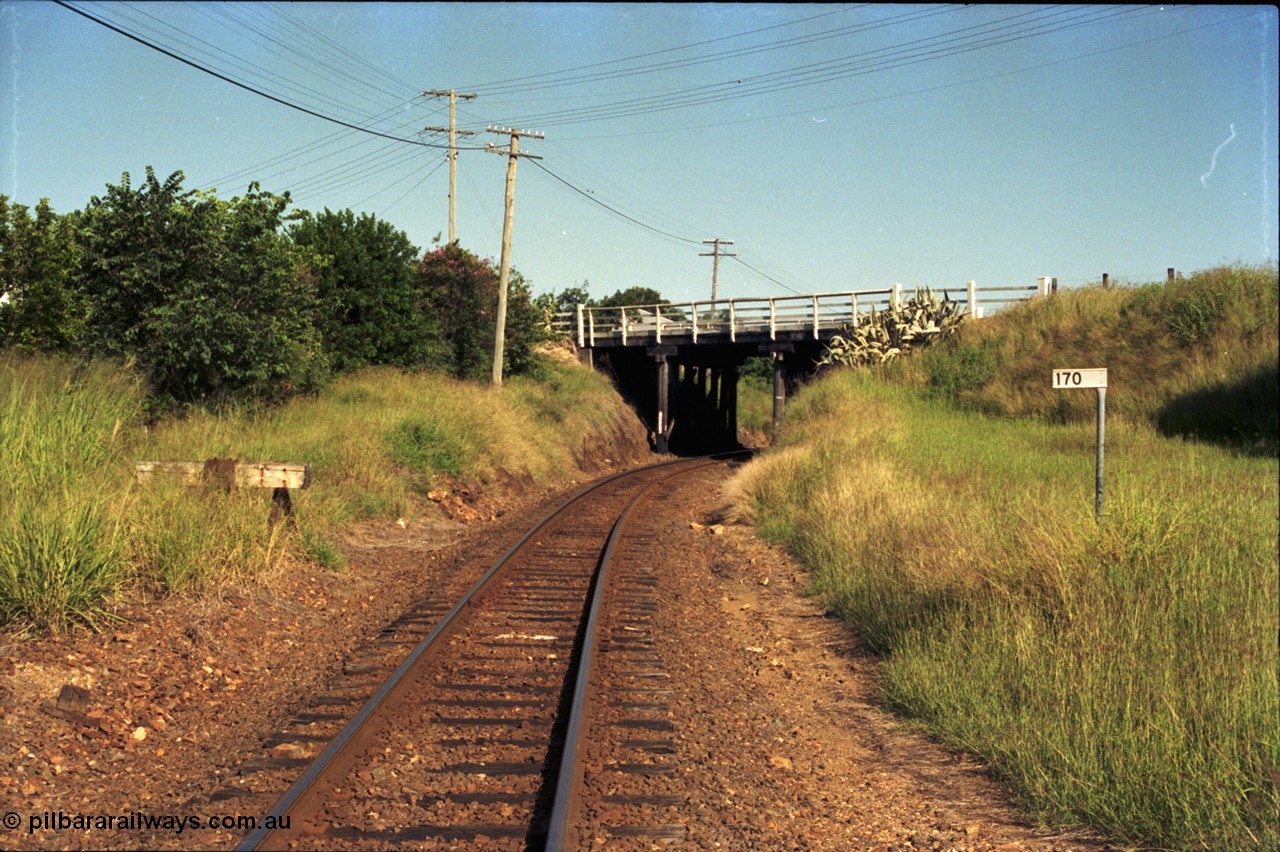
(778, 703)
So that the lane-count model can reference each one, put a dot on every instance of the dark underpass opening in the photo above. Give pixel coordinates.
(687, 395)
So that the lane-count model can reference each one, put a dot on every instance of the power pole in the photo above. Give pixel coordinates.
(513, 153)
(716, 254)
(453, 132)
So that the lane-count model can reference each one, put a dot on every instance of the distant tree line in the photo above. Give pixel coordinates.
(219, 300)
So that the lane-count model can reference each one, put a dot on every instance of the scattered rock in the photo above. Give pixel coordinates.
(73, 698)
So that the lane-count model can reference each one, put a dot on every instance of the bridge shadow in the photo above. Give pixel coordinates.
(687, 396)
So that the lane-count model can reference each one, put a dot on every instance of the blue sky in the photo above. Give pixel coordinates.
(838, 146)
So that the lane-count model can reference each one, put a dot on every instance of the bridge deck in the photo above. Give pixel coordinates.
(779, 319)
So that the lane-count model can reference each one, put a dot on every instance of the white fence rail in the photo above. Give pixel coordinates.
(638, 325)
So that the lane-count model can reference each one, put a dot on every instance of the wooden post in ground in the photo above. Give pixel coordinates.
(453, 132)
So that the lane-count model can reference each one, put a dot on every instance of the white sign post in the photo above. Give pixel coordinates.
(1092, 378)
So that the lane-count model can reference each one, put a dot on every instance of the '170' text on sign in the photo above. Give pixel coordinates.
(1080, 378)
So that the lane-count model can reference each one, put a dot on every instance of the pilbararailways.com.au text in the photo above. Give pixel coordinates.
(139, 821)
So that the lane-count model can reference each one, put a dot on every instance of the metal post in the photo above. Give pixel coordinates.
(1102, 432)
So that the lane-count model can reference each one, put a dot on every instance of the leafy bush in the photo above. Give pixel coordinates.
(39, 306)
(461, 291)
(205, 294)
(367, 307)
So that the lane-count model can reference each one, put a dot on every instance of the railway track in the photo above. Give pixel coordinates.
(531, 713)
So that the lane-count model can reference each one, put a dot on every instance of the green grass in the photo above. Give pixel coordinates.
(755, 409)
(1197, 357)
(65, 433)
(1120, 674)
(75, 529)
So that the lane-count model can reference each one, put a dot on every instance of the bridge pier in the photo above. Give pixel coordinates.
(688, 394)
(778, 351)
(662, 432)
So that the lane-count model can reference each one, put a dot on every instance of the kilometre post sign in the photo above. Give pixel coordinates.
(1091, 378)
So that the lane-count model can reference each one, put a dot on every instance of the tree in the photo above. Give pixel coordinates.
(368, 309)
(639, 296)
(208, 295)
(633, 296)
(548, 305)
(460, 292)
(39, 306)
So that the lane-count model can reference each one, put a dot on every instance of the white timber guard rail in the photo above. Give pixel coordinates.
(725, 319)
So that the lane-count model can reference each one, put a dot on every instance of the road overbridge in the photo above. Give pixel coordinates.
(680, 363)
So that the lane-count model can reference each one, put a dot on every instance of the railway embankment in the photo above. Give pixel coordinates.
(1115, 671)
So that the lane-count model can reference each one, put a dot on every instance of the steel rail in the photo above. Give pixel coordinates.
(567, 779)
(302, 786)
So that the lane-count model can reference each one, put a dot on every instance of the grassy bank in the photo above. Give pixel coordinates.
(75, 530)
(1120, 674)
(1197, 357)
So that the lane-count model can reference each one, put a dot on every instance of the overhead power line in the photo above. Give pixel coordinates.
(240, 84)
(946, 45)
(593, 200)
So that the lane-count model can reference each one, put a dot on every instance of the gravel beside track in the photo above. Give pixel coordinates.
(770, 726)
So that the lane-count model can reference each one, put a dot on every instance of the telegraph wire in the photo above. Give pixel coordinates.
(245, 86)
(333, 45)
(496, 85)
(587, 195)
(316, 61)
(926, 90)
(434, 169)
(367, 166)
(723, 55)
(213, 52)
(816, 73)
(613, 210)
(763, 275)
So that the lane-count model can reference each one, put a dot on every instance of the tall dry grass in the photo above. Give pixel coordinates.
(66, 429)
(1119, 674)
(1197, 357)
(75, 529)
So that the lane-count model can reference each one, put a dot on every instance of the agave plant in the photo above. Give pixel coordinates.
(884, 335)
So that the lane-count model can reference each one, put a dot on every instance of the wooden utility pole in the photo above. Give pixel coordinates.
(513, 153)
(453, 132)
(715, 263)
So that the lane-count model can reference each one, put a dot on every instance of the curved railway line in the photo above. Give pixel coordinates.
(532, 714)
